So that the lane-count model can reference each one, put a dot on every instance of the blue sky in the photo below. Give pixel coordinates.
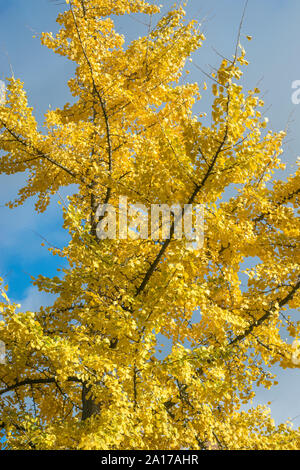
(274, 56)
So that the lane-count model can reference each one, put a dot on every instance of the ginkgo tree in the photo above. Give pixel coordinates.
(85, 372)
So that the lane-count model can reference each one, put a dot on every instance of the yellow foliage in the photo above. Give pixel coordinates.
(89, 363)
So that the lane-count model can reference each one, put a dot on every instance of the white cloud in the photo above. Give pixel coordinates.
(34, 299)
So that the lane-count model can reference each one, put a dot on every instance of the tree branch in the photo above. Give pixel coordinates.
(266, 315)
(38, 381)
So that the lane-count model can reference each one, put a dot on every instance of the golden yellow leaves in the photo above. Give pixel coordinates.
(132, 132)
